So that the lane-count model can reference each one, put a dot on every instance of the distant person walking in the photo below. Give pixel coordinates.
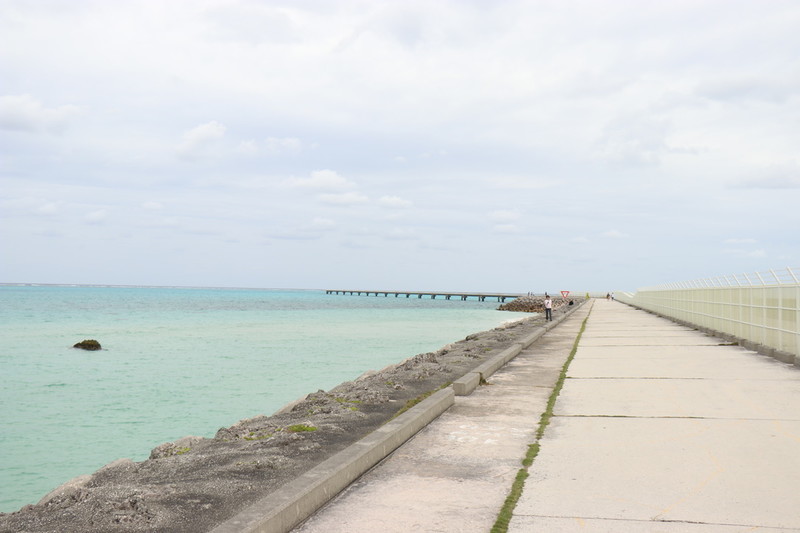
(548, 308)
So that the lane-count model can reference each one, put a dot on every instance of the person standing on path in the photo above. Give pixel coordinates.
(548, 308)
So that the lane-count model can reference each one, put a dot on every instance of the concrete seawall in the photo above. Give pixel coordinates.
(296, 501)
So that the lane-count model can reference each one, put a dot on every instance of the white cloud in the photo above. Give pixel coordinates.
(401, 234)
(49, 208)
(762, 88)
(287, 145)
(633, 140)
(254, 182)
(152, 206)
(251, 23)
(505, 228)
(96, 217)
(319, 223)
(741, 252)
(505, 215)
(614, 234)
(312, 230)
(783, 175)
(347, 198)
(162, 223)
(325, 180)
(295, 235)
(356, 244)
(771, 182)
(248, 147)
(521, 182)
(26, 113)
(197, 140)
(394, 202)
(740, 241)
(272, 146)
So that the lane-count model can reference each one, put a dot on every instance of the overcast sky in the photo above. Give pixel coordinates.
(452, 145)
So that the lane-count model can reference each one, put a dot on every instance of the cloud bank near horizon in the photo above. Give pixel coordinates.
(456, 145)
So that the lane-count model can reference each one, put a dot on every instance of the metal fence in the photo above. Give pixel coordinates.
(761, 307)
(768, 278)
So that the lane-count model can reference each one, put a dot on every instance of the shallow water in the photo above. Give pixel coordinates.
(179, 362)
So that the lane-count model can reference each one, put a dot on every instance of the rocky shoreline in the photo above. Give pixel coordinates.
(195, 483)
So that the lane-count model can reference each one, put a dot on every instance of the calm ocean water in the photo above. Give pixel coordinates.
(179, 362)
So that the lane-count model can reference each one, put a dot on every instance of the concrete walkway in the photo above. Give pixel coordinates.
(659, 428)
(455, 474)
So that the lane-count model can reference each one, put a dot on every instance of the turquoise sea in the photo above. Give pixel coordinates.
(180, 361)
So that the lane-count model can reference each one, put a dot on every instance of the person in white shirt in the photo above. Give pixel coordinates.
(548, 308)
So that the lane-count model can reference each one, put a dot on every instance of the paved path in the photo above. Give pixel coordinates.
(661, 429)
(454, 475)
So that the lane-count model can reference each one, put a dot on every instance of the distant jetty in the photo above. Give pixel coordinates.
(463, 296)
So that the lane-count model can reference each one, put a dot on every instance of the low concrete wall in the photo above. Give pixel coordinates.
(281, 511)
(468, 383)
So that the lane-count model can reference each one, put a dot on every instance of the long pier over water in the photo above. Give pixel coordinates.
(480, 296)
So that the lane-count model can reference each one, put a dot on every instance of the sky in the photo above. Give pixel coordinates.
(456, 145)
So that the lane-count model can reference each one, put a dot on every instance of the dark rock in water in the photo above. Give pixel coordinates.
(88, 344)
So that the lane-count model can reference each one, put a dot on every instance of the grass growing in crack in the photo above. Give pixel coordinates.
(345, 400)
(348, 404)
(298, 428)
(507, 511)
(544, 421)
(254, 436)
